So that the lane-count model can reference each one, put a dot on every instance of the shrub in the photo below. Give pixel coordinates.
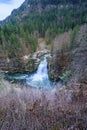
(66, 76)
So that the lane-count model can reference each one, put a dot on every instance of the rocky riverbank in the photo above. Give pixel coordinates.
(25, 64)
(17, 65)
(57, 65)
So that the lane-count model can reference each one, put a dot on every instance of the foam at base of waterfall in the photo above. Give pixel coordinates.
(39, 84)
(40, 78)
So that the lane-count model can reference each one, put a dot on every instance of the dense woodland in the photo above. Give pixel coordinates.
(22, 31)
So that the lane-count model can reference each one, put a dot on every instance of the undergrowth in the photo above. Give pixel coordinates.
(33, 109)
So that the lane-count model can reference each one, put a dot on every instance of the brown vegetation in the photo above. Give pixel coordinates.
(33, 109)
(62, 41)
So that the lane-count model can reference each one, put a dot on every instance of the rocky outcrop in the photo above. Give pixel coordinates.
(39, 54)
(16, 65)
(57, 65)
(26, 64)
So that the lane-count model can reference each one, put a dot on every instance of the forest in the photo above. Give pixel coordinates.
(22, 32)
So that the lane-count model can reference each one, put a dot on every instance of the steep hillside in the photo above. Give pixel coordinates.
(38, 6)
(78, 58)
(71, 65)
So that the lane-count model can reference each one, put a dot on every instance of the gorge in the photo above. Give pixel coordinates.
(38, 79)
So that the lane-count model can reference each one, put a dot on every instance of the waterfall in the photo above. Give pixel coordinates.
(40, 78)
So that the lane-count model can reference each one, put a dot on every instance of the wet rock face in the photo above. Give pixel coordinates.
(53, 68)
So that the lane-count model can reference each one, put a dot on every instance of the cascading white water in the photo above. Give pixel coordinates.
(40, 78)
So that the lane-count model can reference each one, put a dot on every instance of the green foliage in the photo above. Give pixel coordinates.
(33, 42)
(16, 36)
(15, 39)
(66, 76)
